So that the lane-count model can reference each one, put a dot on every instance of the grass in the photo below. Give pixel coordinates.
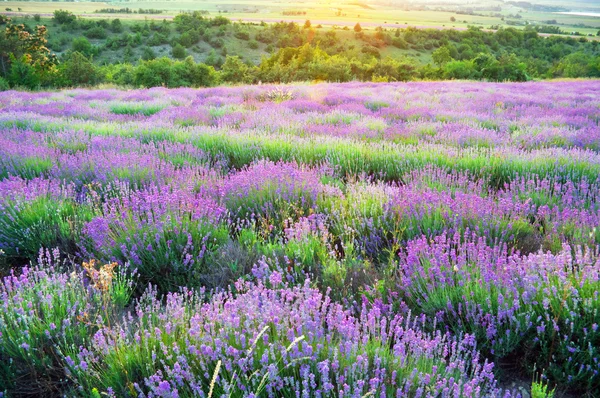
(328, 13)
(136, 109)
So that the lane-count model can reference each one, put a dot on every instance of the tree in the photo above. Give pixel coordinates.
(154, 73)
(97, 32)
(16, 43)
(83, 46)
(441, 56)
(64, 16)
(116, 26)
(307, 24)
(78, 70)
(577, 64)
(178, 51)
(148, 53)
(235, 71)
(460, 70)
(23, 74)
(357, 28)
(452, 19)
(169, 73)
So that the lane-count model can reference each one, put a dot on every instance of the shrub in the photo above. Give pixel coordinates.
(41, 334)
(273, 339)
(242, 35)
(178, 51)
(97, 32)
(272, 192)
(78, 70)
(148, 54)
(116, 26)
(46, 221)
(83, 46)
(511, 303)
(23, 74)
(64, 17)
(235, 71)
(166, 236)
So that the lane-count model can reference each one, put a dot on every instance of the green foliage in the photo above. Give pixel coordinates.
(575, 65)
(4, 84)
(235, 71)
(134, 108)
(23, 74)
(166, 72)
(120, 74)
(505, 68)
(148, 54)
(541, 390)
(116, 26)
(83, 46)
(460, 70)
(25, 228)
(78, 70)
(178, 51)
(441, 56)
(27, 52)
(505, 55)
(97, 32)
(64, 17)
(180, 250)
(122, 287)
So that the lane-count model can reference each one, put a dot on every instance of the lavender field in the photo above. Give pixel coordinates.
(328, 240)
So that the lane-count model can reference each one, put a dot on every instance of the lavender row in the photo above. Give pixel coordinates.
(391, 240)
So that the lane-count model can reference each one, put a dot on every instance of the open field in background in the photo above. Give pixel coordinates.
(346, 13)
(425, 239)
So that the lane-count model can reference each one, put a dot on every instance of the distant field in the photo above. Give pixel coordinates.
(346, 14)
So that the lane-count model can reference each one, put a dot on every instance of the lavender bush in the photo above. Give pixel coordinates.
(317, 240)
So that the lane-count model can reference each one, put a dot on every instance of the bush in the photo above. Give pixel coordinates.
(78, 70)
(178, 51)
(511, 303)
(39, 330)
(83, 46)
(235, 71)
(3, 84)
(270, 192)
(166, 236)
(166, 72)
(460, 70)
(45, 222)
(64, 17)
(120, 74)
(148, 54)
(23, 74)
(242, 35)
(97, 32)
(116, 26)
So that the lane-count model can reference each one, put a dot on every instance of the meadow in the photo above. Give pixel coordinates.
(433, 14)
(426, 239)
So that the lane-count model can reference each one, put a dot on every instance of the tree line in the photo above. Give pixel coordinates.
(295, 53)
